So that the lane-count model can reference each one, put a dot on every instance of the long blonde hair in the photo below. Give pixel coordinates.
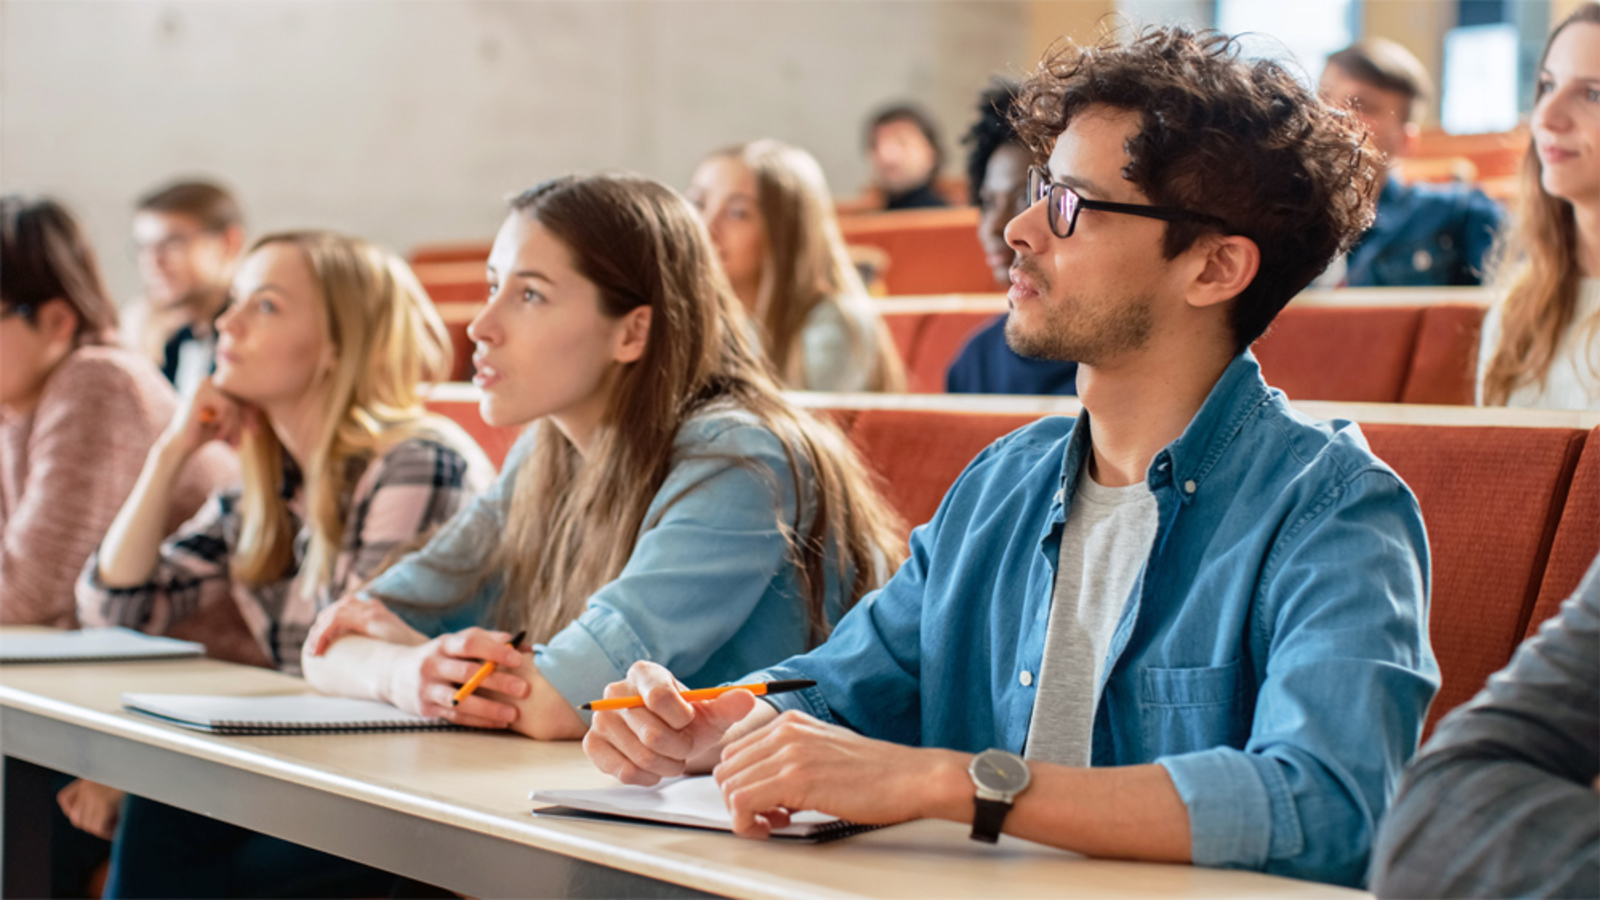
(807, 264)
(387, 340)
(573, 518)
(1537, 270)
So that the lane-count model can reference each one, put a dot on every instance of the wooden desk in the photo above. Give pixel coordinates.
(451, 808)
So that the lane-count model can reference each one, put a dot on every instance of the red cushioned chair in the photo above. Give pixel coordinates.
(1491, 499)
(1577, 539)
(1444, 364)
(1349, 354)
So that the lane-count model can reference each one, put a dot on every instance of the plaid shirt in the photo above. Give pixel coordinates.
(398, 499)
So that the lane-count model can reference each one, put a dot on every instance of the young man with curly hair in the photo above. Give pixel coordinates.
(1188, 625)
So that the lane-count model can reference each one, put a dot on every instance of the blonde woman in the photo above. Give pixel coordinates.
(667, 503)
(320, 360)
(1541, 344)
(770, 215)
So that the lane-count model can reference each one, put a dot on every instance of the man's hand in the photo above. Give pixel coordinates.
(798, 763)
(668, 735)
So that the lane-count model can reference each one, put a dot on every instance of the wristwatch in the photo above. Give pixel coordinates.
(999, 776)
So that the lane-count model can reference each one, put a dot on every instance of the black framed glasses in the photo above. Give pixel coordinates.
(1065, 204)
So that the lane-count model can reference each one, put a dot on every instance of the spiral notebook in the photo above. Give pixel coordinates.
(283, 714)
(694, 802)
(92, 645)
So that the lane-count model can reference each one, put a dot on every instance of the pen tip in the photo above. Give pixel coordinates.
(585, 706)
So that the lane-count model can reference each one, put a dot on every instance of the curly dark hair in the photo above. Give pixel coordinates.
(992, 131)
(1241, 140)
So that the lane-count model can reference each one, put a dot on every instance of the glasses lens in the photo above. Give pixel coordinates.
(1064, 209)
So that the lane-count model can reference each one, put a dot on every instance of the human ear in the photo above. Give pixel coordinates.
(57, 322)
(633, 336)
(1231, 263)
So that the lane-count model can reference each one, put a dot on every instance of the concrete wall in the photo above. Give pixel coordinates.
(410, 121)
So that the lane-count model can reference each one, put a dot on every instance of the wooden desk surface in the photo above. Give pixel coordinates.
(478, 782)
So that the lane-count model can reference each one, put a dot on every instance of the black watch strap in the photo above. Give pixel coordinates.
(989, 817)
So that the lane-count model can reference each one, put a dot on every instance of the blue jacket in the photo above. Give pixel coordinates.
(987, 365)
(1425, 234)
(710, 590)
(1273, 656)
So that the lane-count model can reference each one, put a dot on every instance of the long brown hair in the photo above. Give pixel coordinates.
(45, 257)
(388, 341)
(807, 265)
(1537, 269)
(573, 518)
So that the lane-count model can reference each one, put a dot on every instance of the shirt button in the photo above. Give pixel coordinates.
(1188, 486)
(1026, 678)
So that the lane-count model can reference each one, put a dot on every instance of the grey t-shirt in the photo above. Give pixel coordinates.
(1107, 538)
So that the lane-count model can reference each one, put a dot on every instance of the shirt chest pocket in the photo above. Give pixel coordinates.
(1188, 709)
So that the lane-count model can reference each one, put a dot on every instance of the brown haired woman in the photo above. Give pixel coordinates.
(667, 504)
(1541, 343)
(770, 215)
(77, 414)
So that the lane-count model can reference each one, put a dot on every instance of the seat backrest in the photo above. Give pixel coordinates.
(1577, 540)
(932, 251)
(1444, 363)
(941, 339)
(1350, 354)
(917, 454)
(1491, 499)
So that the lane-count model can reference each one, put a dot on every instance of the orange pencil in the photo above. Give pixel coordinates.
(759, 688)
(483, 672)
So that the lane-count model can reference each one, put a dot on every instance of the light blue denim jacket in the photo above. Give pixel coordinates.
(1273, 656)
(709, 592)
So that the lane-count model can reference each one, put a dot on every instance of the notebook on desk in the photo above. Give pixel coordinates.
(283, 714)
(694, 802)
(92, 645)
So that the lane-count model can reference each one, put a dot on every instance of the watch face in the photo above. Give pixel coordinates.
(997, 770)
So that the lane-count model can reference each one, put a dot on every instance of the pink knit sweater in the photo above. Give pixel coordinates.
(67, 467)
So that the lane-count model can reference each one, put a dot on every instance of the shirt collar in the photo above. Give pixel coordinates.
(1187, 461)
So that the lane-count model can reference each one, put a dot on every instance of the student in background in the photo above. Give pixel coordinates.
(997, 172)
(77, 415)
(770, 215)
(1541, 341)
(1201, 615)
(188, 236)
(665, 503)
(906, 155)
(321, 357)
(1501, 802)
(1425, 234)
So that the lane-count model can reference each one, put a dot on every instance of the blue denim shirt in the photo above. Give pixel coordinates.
(1273, 655)
(1425, 235)
(710, 590)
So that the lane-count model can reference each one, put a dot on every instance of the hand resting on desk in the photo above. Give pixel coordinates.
(360, 648)
(767, 764)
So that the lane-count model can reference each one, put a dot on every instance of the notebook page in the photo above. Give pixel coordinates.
(695, 801)
(92, 644)
(289, 711)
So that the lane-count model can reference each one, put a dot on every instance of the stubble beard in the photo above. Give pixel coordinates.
(1079, 329)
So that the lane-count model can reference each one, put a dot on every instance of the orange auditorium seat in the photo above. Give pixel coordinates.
(931, 251)
(1340, 353)
(1577, 538)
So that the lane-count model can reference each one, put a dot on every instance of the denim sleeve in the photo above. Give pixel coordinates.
(1501, 802)
(432, 589)
(1342, 607)
(695, 575)
(868, 672)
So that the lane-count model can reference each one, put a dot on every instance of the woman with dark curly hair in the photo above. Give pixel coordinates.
(997, 171)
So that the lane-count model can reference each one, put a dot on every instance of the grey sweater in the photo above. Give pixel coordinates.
(1502, 801)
